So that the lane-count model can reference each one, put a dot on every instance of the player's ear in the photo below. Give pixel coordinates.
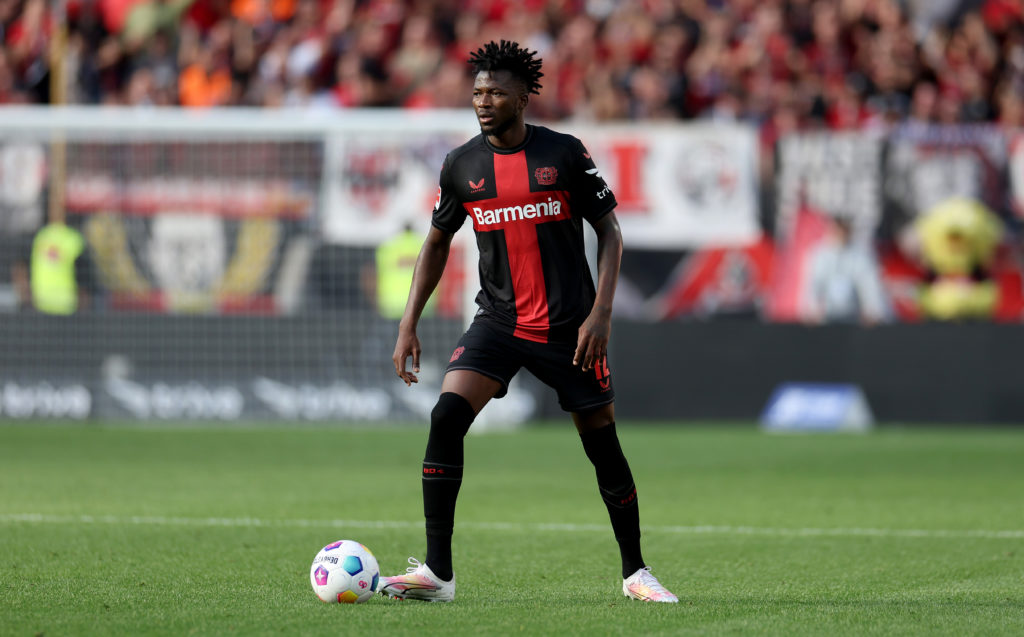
(524, 99)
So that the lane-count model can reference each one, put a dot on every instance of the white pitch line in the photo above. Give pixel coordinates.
(155, 520)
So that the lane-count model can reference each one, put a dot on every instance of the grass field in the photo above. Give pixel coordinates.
(180, 531)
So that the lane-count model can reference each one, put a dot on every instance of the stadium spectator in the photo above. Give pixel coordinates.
(395, 260)
(1009, 107)
(843, 282)
(149, 17)
(417, 58)
(9, 90)
(55, 268)
(206, 81)
(923, 102)
(27, 41)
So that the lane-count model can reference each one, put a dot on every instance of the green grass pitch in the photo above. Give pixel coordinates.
(110, 530)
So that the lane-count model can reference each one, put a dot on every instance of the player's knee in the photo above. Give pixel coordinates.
(451, 416)
(594, 419)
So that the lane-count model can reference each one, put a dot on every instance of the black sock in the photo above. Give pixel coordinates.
(615, 481)
(442, 477)
(439, 496)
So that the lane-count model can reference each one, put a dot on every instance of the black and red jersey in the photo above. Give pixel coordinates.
(527, 205)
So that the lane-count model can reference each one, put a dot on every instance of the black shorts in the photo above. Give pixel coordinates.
(488, 351)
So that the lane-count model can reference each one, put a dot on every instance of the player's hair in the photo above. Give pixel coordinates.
(509, 56)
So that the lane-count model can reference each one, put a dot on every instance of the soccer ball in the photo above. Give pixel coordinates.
(344, 572)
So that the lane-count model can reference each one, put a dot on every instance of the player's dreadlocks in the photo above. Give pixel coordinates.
(508, 56)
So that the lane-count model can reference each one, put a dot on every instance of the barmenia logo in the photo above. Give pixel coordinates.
(549, 208)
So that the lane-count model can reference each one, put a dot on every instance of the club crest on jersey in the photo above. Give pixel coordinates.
(546, 176)
(549, 208)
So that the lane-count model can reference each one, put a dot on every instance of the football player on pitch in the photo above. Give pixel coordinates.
(527, 190)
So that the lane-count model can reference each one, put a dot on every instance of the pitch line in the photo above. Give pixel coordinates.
(156, 520)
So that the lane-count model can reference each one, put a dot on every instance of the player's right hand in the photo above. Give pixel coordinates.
(408, 345)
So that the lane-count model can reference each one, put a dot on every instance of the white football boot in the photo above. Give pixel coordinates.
(419, 582)
(646, 587)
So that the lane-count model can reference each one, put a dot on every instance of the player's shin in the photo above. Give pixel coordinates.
(615, 482)
(442, 477)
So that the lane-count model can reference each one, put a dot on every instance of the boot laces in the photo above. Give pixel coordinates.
(415, 565)
(650, 581)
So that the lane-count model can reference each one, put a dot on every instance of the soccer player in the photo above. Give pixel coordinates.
(526, 189)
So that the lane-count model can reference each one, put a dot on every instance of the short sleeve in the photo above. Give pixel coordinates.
(591, 196)
(449, 215)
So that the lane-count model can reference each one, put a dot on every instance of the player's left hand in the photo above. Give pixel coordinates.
(408, 345)
(592, 342)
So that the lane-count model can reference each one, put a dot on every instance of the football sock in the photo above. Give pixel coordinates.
(615, 481)
(442, 477)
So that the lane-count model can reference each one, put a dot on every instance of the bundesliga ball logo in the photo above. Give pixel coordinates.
(344, 572)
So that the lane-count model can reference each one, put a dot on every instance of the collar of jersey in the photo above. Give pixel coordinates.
(514, 149)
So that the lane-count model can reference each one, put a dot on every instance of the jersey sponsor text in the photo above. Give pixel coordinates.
(549, 208)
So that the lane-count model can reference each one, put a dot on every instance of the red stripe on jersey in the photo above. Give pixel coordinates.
(513, 183)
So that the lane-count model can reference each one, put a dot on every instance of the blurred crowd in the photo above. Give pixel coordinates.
(779, 63)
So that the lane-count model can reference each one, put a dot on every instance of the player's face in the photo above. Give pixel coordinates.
(499, 101)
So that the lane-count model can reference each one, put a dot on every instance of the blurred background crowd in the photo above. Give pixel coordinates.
(780, 63)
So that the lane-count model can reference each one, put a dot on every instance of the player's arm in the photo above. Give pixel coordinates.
(592, 343)
(426, 275)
